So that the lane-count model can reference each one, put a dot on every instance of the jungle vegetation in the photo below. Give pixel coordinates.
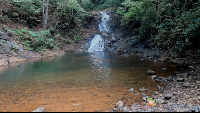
(168, 24)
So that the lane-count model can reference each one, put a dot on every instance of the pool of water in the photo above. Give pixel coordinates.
(77, 82)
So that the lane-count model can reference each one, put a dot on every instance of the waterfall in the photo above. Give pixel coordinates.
(103, 26)
(97, 43)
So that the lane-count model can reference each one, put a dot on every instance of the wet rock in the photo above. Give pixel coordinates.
(180, 80)
(186, 84)
(144, 98)
(131, 90)
(153, 77)
(150, 72)
(167, 96)
(119, 105)
(156, 93)
(40, 109)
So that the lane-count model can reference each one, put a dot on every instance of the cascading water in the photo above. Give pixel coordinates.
(97, 43)
(103, 26)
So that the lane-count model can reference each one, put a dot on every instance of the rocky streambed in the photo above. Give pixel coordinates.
(181, 93)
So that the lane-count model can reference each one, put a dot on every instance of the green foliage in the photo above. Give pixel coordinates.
(15, 47)
(77, 38)
(71, 14)
(7, 29)
(38, 41)
(17, 32)
(165, 23)
(90, 5)
(33, 8)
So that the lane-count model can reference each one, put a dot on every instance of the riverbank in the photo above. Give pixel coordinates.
(181, 92)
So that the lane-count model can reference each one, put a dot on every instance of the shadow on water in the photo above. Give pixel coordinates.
(81, 75)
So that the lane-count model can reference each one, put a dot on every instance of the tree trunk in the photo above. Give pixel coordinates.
(43, 13)
(46, 16)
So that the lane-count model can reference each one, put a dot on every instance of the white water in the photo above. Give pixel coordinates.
(97, 43)
(103, 26)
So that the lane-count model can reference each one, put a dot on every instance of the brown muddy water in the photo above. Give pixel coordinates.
(84, 82)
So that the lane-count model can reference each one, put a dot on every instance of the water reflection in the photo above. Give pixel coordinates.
(100, 66)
